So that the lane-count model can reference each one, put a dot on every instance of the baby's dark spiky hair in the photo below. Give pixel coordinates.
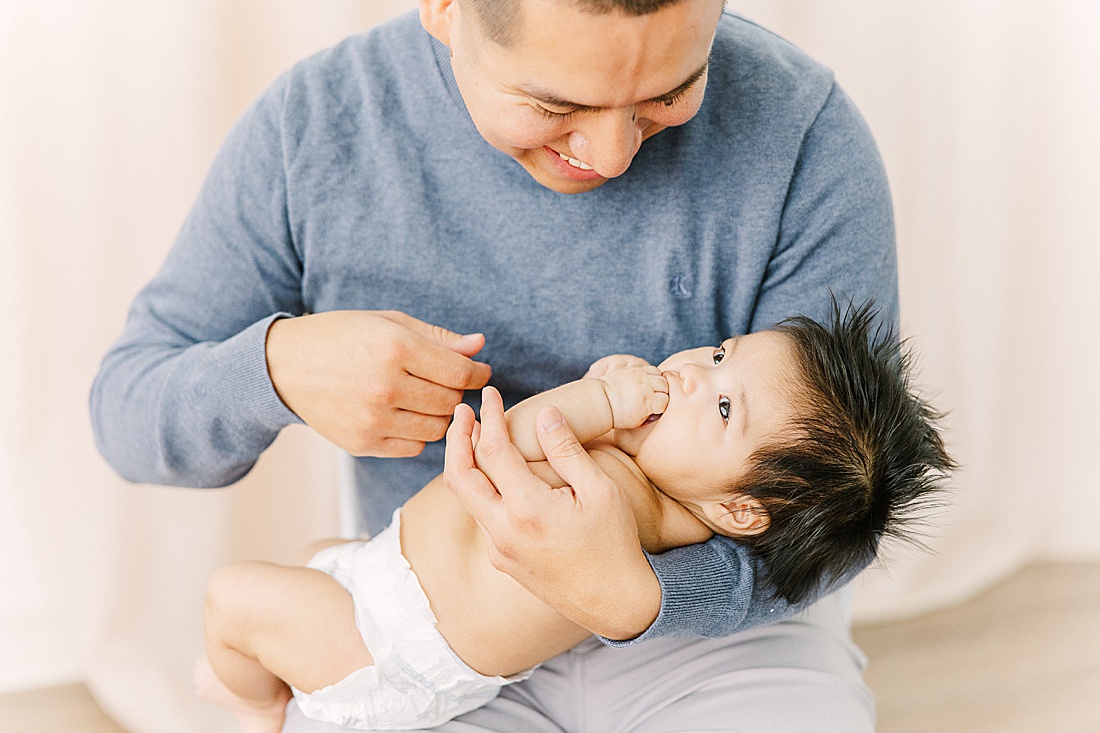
(863, 458)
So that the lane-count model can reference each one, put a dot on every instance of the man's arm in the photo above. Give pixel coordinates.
(837, 231)
(211, 364)
(183, 396)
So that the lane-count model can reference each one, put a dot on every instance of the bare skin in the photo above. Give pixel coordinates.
(269, 626)
(377, 383)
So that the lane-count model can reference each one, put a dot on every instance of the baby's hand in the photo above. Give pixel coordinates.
(635, 393)
(607, 364)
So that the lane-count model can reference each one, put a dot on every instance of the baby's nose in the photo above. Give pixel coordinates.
(690, 374)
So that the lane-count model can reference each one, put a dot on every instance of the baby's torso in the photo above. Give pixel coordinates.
(474, 601)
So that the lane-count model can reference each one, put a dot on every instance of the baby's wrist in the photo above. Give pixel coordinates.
(607, 390)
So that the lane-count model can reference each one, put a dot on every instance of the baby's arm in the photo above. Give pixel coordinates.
(622, 398)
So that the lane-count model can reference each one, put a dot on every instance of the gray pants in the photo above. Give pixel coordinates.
(800, 676)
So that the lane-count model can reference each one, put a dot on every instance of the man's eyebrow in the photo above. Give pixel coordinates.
(555, 101)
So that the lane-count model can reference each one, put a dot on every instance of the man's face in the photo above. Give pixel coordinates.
(573, 95)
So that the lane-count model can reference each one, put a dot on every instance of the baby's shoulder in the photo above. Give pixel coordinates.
(663, 523)
(615, 462)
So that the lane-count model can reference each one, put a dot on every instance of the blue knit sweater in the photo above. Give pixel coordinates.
(358, 181)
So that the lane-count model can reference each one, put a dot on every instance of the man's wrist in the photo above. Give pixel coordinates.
(626, 606)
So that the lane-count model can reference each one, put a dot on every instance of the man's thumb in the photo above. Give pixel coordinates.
(556, 437)
(466, 344)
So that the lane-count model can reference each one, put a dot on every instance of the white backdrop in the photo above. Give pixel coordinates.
(987, 114)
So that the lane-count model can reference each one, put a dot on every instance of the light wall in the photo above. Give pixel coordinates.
(110, 113)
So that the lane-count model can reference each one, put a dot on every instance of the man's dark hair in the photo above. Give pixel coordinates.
(861, 460)
(500, 18)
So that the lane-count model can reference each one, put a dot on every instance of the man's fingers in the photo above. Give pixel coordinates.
(565, 453)
(435, 363)
(465, 344)
(476, 436)
(398, 448)
(416, 426)
(415, 394)
(404, 434)
(460, 474)
(443, 356)
(500, 461)
(459, 451)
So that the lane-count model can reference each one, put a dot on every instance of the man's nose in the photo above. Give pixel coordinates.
(608, 141)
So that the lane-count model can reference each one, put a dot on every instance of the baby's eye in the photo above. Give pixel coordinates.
(719, 354)
(724, 408)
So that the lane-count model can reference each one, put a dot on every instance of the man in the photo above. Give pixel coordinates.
(559, 179)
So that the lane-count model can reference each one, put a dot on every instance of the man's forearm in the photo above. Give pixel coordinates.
(620, 609)
(151, 425)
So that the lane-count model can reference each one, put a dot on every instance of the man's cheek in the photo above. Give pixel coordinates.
(514, 130)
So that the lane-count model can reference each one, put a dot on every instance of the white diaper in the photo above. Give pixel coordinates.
(416, 680)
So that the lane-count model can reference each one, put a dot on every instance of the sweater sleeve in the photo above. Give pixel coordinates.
(712, 589)
(836, 239)
(184, 397)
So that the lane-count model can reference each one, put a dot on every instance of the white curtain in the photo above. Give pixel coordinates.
(110, 114)
(987, 116)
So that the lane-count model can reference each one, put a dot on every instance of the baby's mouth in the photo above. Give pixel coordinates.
(651, 419)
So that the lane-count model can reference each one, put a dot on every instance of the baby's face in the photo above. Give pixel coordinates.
(723, 404)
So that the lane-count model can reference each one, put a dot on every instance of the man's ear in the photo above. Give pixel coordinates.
(741, 516)
(438, 18)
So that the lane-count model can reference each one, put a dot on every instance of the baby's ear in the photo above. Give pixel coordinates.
(741, 516)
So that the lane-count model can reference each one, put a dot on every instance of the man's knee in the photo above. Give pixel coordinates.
(778, 700)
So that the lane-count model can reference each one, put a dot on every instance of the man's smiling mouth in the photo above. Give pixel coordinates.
(574, 162)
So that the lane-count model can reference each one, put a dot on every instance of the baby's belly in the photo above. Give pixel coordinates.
(492, 622)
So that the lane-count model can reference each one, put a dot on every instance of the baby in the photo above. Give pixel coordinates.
(804, 442)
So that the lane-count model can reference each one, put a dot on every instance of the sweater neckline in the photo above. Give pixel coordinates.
(442, 55)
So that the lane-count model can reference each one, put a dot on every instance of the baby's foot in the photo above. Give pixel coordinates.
(252, 716)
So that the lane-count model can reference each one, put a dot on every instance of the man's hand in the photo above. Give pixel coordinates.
(378, 383)
(635, 393)
(577, 547)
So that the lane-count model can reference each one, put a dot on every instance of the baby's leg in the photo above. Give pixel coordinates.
(268, 625)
